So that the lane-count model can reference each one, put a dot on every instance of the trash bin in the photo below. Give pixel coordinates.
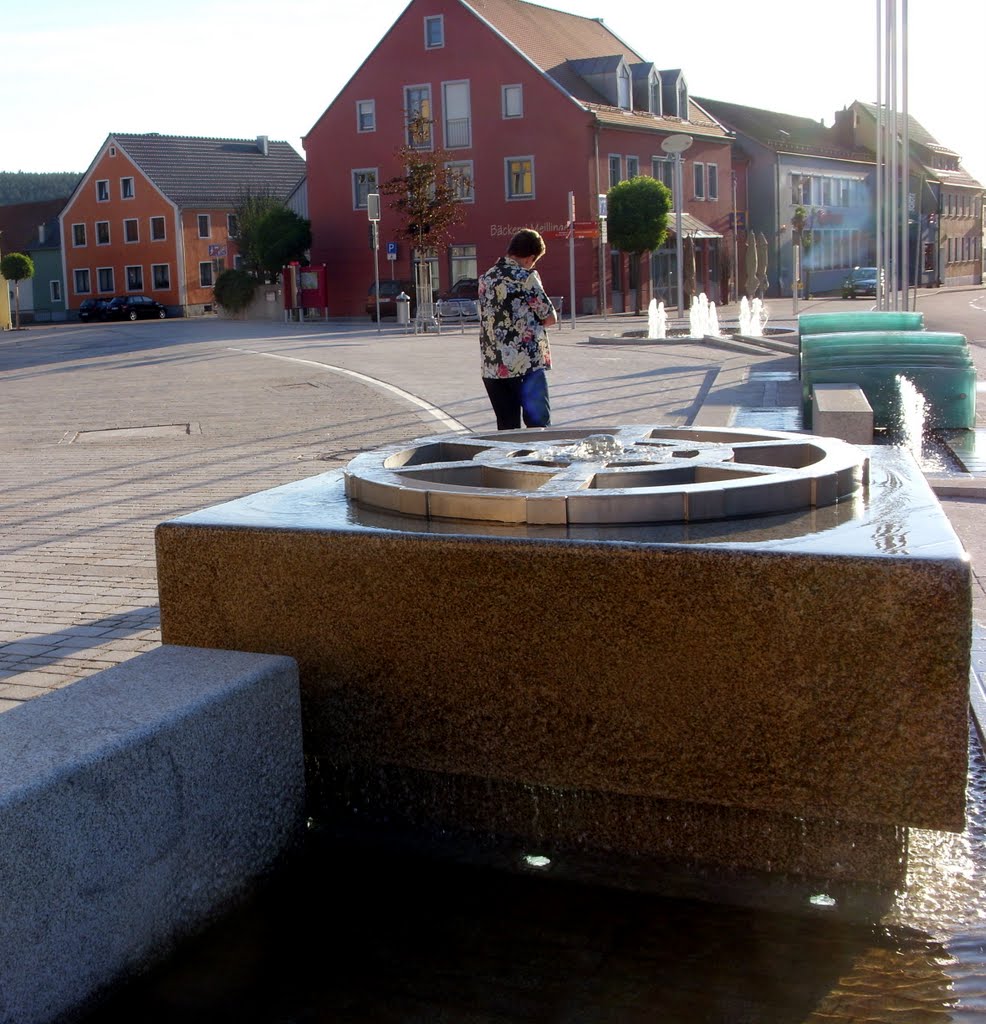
(403, 305)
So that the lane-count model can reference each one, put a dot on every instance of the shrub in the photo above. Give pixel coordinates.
(234, 290)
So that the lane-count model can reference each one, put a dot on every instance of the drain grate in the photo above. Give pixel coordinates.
(142, 433)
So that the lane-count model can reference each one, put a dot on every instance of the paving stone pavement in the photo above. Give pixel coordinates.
(107, 430)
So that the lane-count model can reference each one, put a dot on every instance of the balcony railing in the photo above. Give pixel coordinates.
(458, 132)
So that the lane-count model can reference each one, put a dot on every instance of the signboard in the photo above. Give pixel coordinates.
(602, 204)
(391, 250)
(217, 251)
(583, 229)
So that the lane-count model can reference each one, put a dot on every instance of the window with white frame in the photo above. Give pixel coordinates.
(434, 32)
(698, 172)
(461, 175)
(366, 115)
(364, 182)
(82, 283)
(161, 276)
(126, 188)
(55, 291)
(130, 230)
(662, 168)
(520, 177)
(512, 99)
(615, 169)
(462, 262)
(78, 235)
(104, 279)
(205, 273)
(633, 166)
(102, 232)
(712, 180)
(417, 107)
(157, 229)
(457, 114)
(103, 190)
(801, 189)
(654, 93)
(205, 225)
(135, 279)
(682, 96)
(623, 87)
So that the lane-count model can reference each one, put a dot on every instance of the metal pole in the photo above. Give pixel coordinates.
(679, 257)
(879, 219)
(893, 151)
(373, 214)
(735, 244)
(571, 254)
(905, 164)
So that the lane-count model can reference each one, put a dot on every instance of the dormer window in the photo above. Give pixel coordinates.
(623, 87)
(682, 98)
(654, 94)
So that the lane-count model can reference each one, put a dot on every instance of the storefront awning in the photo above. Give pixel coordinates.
(691, 226)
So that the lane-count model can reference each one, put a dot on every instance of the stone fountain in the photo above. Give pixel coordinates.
(733, 650)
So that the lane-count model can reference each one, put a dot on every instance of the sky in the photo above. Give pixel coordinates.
(72, 73)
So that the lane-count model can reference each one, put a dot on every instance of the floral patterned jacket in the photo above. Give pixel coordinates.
(512, 305)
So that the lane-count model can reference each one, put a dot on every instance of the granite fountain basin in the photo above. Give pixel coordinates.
(738, 649)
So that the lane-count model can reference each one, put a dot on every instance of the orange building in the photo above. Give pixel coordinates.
(154, 215)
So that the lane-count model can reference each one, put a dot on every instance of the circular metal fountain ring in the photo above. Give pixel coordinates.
(602, 475)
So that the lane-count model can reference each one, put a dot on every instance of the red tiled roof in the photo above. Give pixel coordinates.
(19, 223)
(552, 39)
(549, 37)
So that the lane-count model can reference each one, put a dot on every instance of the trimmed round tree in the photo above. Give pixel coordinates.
(17, 267)
(638, 217)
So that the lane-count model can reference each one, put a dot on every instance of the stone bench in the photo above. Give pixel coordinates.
(136, 806)
(842, 411)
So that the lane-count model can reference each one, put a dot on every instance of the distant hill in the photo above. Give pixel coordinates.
(31, 186)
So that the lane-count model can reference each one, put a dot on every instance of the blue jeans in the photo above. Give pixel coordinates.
(513, 396)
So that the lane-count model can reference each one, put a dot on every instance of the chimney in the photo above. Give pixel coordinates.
(262, 144)
(41, 234)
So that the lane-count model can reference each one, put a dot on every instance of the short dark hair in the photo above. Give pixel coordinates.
(527, 242)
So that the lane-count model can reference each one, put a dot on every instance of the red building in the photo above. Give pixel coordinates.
(532, 105)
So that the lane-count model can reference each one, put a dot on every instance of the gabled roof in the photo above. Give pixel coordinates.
(919, 135)
(561, 44)
(213, 172)
(19, 223)
(784, 133)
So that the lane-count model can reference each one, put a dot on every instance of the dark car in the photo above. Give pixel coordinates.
(461, 301)
(389, 290)
(93, 309)
(861, 281)
(135, 307)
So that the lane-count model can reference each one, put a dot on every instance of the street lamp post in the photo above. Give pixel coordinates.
(677, 144)
(373, 215)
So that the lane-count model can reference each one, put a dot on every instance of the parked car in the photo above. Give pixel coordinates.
(389, 290)
(134, 307)
(461, 301)
(93, 309)
(861, 281)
